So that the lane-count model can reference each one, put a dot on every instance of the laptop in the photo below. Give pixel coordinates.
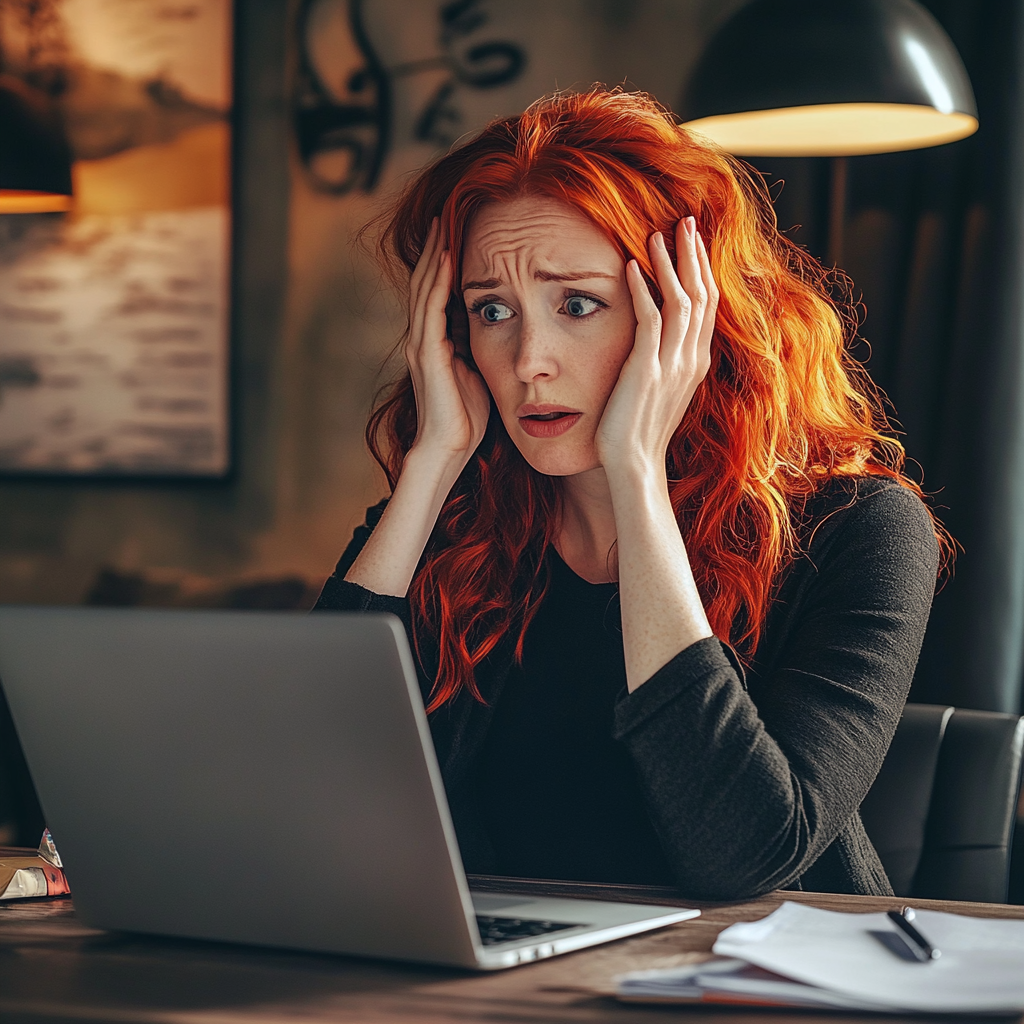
(265, 778)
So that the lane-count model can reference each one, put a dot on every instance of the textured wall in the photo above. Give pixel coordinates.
(312, 321)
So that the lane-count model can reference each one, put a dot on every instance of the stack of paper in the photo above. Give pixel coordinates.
(802, 956)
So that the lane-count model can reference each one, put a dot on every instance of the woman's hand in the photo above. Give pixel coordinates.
(452, 407)
(662, 613)
(452, 400)
(670, 357)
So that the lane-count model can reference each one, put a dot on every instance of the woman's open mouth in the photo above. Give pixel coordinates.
(549, 424)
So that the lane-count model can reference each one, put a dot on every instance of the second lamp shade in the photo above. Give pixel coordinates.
(35, 161)
(836, 78)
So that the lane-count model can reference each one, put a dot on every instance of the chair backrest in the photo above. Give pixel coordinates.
(941, 811)
(895, 811)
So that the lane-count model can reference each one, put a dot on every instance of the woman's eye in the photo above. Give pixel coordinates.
(580, 305)
(495, 312)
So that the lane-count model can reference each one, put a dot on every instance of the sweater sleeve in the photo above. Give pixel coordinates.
(338, 595)
(748, 789)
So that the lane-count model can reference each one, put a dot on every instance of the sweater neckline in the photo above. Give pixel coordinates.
(560, 565)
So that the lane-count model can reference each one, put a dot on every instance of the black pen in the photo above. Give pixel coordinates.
(919, 945)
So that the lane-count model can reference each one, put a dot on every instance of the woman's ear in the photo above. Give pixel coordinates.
(458, 327)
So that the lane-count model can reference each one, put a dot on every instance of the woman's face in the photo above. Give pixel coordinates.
(550, 324)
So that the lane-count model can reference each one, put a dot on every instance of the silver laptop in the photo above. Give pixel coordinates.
(265, 778)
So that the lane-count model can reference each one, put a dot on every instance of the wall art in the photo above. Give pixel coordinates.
(114, 316)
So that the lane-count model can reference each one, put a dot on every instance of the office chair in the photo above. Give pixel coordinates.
(941, 812)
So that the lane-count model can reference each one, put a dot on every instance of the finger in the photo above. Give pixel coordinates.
(421, 264)
(676, 309)
(687, 263)
(434, 352)
(645, 309)
(707, 326)
(710, 285)
(426, 268)
(431, 261)
(429, 353)
(436, 301)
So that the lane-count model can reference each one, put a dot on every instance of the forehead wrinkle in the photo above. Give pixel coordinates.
(523, 229)
(508, 244)
(500, 267)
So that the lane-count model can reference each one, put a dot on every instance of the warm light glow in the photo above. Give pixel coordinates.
(834, 129)
(19, 201)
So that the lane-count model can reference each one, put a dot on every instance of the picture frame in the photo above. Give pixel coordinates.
(115, 320)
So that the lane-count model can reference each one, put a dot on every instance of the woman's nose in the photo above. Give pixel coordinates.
(534, 356)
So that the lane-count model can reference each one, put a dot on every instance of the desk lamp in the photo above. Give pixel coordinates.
(35, 161)
(833, 78)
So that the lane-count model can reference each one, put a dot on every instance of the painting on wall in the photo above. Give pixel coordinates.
(114, 315)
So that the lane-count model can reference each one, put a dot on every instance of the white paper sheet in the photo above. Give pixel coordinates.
(736, 980)
(981, 969)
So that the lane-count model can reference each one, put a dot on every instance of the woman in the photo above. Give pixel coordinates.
(664, 577)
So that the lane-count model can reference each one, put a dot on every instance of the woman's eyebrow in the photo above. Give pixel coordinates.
(572, 275)
(542, 275)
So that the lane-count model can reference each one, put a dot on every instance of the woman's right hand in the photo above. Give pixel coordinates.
(452, 400)
(452, 408)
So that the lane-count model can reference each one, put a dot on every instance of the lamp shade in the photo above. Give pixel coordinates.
(35, 161)
(830, 78)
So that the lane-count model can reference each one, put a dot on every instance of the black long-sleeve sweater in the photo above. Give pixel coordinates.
(750, 784)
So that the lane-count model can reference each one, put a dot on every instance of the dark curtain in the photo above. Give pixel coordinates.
(934, 241)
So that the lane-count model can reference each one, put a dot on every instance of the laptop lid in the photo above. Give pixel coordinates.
(256, 777)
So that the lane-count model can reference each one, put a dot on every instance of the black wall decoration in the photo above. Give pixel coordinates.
(359, 127)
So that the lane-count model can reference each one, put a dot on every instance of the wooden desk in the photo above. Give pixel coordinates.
(52, 968)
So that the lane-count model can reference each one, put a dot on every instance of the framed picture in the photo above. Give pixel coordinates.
(114, 315)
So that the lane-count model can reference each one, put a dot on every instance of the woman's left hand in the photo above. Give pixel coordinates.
(671, 354)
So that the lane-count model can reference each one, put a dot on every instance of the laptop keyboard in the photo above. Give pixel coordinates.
(504, 929)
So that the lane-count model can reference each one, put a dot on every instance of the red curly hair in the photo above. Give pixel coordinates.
(784, 406)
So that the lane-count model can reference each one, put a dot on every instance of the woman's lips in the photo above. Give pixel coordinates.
(551, 425)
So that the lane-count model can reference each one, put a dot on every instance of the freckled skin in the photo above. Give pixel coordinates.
(541, 353)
